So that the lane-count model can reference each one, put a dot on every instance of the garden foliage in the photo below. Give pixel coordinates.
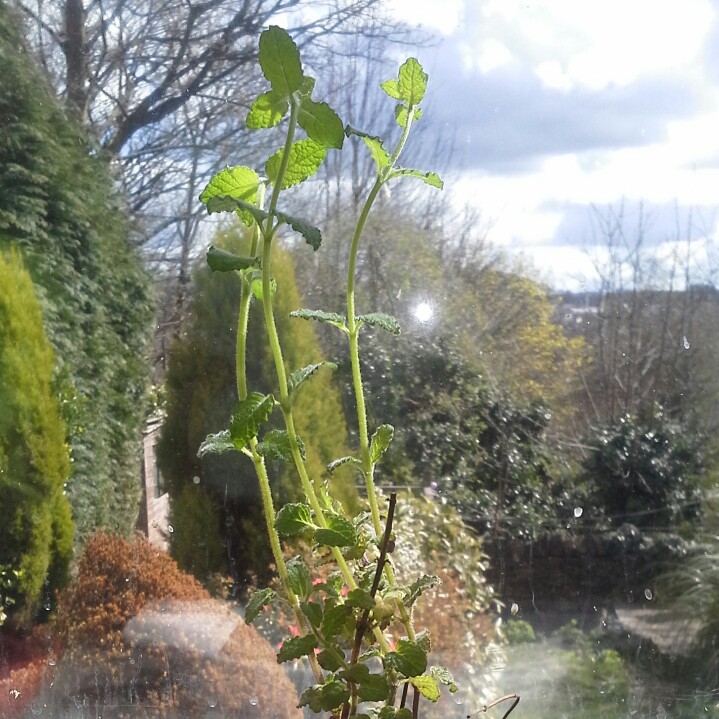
(141, 635)
(36, 528)
(59, 206)
(201, 392)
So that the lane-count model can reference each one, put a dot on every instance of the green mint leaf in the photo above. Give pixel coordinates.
(403, 713)
(257, 291)
(258, 601)
(225, 203)
(331, 659)
(222, 261)
(380, 441)
(267, 110)
(356, 673)
(248, 415)
(381, 320)
(312, 235)
(299, 577)
(361, 599)
(408, 658)
(400, 113)
(444, 676)
(325, 697)
(419, 586)
(429, 178)
(332, 466)
(275, 445)
(422, 638)
(305, 159)
(217, 444)
(391, 87)
(313, 612)
(293, 519)
(321, 123)
(296, 647)
(239, 183)
(427, 687)
(280, 61)
(306, 87)
(321, 316)
(337, 620)
(379, 154)
(339, 532)
(300, 376)
(374, 688)
(412, 82)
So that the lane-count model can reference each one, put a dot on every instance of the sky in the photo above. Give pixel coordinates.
(562, 112)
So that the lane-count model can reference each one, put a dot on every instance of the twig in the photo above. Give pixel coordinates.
(363, 622)
(499, 701)
(415, 704)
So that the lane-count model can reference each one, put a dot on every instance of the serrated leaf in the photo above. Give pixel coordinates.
(331, 659)
(275, 445)
(423, 640)
(321, 123)
(412, 82)
(222, 261)
(258, 601)
(297, 647)
(339, 532)
(239, 183)
(280, 61)
(267, 110)
(444, 676)
(258, 292)
(335, 620)
(430, 178)
(300, 376)
(217, 444)
(313, 612)
(360, 598)
(321, 316)
(419, 586)
(293, 519)
(374, 144)
(400, 114)
(427, 687)
(312, 234)
(298, 574)
(325, 697)
(374, 688)
(248, 415)
(305, 159)
(306, 86)
(391, 87)
(408, 658)
(381, 320)
(332, 466)
(356, 673)
(380, 441)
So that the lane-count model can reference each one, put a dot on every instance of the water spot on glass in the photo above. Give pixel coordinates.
(578, 511)
(686, 345)
(458, 701)
(196, 480)
(253, 701)
(47, 605)
(648, 593)
(36, 708)
(661, 712)
(14, 693)
(514, 609)
(170, 528)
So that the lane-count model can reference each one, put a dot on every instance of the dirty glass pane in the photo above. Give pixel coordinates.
(362, 368)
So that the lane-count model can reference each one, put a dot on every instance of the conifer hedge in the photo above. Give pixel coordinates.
(36, 528)
(59, 206)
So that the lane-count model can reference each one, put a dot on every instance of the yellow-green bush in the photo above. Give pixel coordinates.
(36, 528)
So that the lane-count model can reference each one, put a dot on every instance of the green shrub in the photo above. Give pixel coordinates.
(59, 206)
(36, 528)
(518, 631)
